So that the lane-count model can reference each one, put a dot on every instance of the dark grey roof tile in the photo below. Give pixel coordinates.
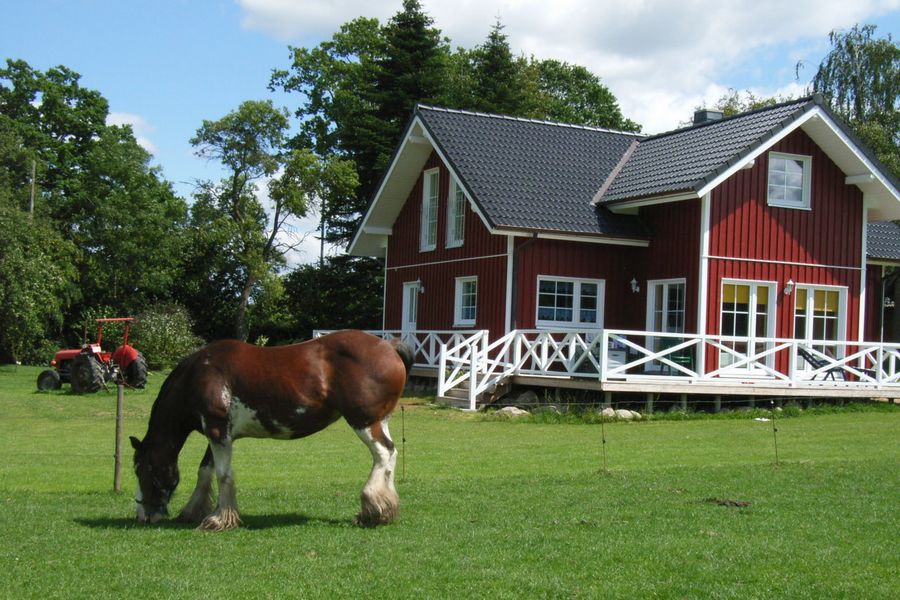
(686, 159)
(883, 241)
(533, 175)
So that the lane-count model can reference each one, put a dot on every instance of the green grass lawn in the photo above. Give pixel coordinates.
(490, 509)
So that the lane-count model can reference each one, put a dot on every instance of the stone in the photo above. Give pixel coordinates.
(624, 414)
(512, 411)
(608, 412)
(528, 398)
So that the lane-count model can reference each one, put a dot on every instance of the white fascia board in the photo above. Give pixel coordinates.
(814, 113)
(562, 237)
(631, 204)
(408, 138)
(760, 149)
(870, 167)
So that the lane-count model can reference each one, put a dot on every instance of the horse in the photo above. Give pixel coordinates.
(228, 390)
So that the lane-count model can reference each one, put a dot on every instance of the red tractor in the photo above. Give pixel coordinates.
(89, 368)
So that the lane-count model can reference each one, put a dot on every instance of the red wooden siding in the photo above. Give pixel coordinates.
(617, 265)
(743, 226)
(482, 255)
(403, 246)
(674, 251)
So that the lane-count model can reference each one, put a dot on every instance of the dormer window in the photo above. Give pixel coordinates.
(789, 180)
(428, 230)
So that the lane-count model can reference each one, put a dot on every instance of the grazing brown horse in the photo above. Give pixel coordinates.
(229, 390)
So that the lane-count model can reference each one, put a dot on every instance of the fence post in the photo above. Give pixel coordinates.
(442, 367)
(120, 400)
(473, 374)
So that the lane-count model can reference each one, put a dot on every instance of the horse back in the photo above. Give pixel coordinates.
(293, 391)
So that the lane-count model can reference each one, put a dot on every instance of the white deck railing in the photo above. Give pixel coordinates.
(624, 355)
(425, 344)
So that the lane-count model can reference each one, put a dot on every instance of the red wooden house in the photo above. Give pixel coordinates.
(729, 254)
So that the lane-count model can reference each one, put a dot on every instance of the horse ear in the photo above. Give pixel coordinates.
(135, 443)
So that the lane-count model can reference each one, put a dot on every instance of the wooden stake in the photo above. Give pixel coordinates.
(403, 442)
(120, 397)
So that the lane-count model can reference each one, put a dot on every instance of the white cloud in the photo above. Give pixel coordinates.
(661, 58)
(141, 128)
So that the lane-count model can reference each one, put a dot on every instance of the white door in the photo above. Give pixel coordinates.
(410, 306)
(665, 312)
(747, 314)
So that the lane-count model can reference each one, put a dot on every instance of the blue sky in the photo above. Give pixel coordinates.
(166, 65)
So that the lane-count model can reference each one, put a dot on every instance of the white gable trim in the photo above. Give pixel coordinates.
(783, 133)
(365, 228)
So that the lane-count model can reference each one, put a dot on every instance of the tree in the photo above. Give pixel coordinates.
(37, 283)
(95, 186)
(360, 88)
(228, 218)
(860, 77)
(497, 76)
(345, 292)
(572, 94)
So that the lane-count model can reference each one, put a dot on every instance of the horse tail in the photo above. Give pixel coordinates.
(407, 355)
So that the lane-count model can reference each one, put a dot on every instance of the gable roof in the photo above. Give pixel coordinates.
(685, 160)
(530, 176)
(689, 162)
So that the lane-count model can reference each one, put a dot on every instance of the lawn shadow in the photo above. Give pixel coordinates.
(260, 522)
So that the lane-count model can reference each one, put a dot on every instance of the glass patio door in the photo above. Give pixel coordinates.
(746, 313)
(665, 313)
(818, 319)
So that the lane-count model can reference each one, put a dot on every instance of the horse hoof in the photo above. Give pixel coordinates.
(221, 521)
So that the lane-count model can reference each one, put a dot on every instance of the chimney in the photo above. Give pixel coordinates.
(707, 116)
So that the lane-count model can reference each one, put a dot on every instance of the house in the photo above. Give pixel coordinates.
(552, 250)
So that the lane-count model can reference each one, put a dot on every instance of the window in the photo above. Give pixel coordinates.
(466, 301)
(819, 318)
(570, 302)
(428, 234)
(456, 215)
(789, 180)
(747, 312)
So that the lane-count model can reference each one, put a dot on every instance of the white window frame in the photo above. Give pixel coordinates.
(575, 323)
(428, 228)
(806, 336)
(458, 306)
(663, 285)
(806, 183)
(752, 338)
(456, 215)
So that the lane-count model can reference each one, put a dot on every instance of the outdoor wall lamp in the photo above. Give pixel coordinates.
(420, 286)
(635, 288)
(789, 287)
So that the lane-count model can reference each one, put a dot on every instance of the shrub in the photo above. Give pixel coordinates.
(164, 335)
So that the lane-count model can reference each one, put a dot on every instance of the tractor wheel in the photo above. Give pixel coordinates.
(48, 380)
(87, 374)
(136, 373)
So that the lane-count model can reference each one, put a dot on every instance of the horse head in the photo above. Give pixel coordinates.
(157, 480)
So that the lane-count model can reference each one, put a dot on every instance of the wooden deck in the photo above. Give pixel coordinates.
(471, 370)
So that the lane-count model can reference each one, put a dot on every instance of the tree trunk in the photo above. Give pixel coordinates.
(240, 321)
